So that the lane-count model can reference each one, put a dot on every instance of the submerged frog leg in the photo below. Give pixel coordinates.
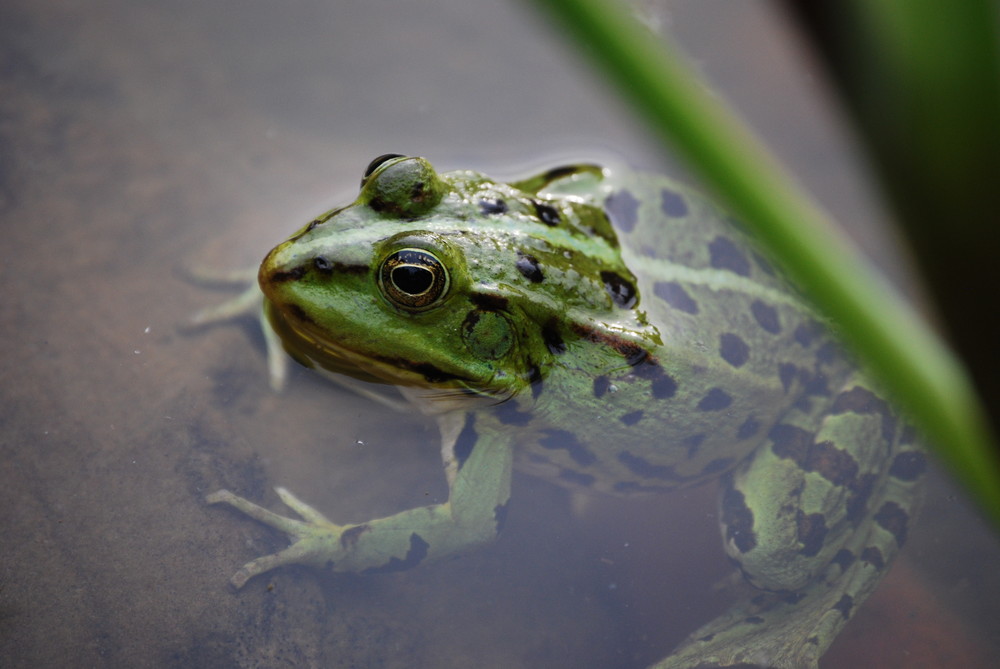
(813, 519)
(250, 302)
(365, 390)
(472, 515)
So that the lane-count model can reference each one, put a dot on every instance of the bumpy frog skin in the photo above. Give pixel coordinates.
(622, 335)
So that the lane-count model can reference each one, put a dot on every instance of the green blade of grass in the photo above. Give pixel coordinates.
(896, 344)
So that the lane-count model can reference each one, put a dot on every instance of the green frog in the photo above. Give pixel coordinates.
(612, 331)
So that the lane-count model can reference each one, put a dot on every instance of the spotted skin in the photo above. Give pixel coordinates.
(615, 333)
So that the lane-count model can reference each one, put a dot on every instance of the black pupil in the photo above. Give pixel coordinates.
(412, 279)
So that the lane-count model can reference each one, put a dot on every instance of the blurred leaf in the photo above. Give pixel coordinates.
(899, 347)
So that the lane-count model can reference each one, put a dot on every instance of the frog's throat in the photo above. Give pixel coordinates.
(436, 386)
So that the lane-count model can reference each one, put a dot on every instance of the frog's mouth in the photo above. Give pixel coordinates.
(438, 389)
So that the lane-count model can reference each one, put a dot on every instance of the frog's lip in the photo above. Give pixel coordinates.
(301, 340)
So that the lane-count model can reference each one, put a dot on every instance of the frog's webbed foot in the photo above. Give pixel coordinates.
(311, 537)
(472, 515)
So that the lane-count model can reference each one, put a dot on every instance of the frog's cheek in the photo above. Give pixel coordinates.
(488, 335)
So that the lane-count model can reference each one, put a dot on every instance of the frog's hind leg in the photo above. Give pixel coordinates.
(813, 520)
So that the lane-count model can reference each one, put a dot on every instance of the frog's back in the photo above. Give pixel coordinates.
(734, 349)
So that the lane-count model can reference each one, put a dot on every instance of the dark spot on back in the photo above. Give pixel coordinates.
(844, 605)
(894, 519)
(858, 400)
(908, 466)
(766, 316)
(857, 502)
(806, 333)
(873, 556)
(715, 399)
(818, 386)
(564, 440)
(811, 531)
(738, 519)
(631, 418)
(843, 559)
(491, 207)
(601, 385)
(787, 373)
(527, 265)
(547, 214)
(834, 464)
(662, 385)
(621, 290)
(790, 442)
(623, 210)
(675, 295)
(862, 401)
(672, 204)
(725, 255)
(753, 620)
(733, 349)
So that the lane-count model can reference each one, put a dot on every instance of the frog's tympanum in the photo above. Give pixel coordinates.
(617, 333)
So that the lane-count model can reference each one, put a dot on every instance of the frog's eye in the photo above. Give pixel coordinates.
(413, 279)
(377, 163)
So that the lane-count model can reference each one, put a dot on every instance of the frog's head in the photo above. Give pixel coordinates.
(434, 281)
(381, 291)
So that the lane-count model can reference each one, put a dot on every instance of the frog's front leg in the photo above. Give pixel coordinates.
(813, 519)
(250, 302)
(472, 515)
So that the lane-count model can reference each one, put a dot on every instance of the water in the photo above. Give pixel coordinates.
(140, 138)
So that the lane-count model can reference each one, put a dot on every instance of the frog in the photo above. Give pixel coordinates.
(613, 331)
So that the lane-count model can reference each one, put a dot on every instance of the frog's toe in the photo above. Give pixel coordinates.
(247, 302)
(312, 520)
(315, 540)
(297, 553)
